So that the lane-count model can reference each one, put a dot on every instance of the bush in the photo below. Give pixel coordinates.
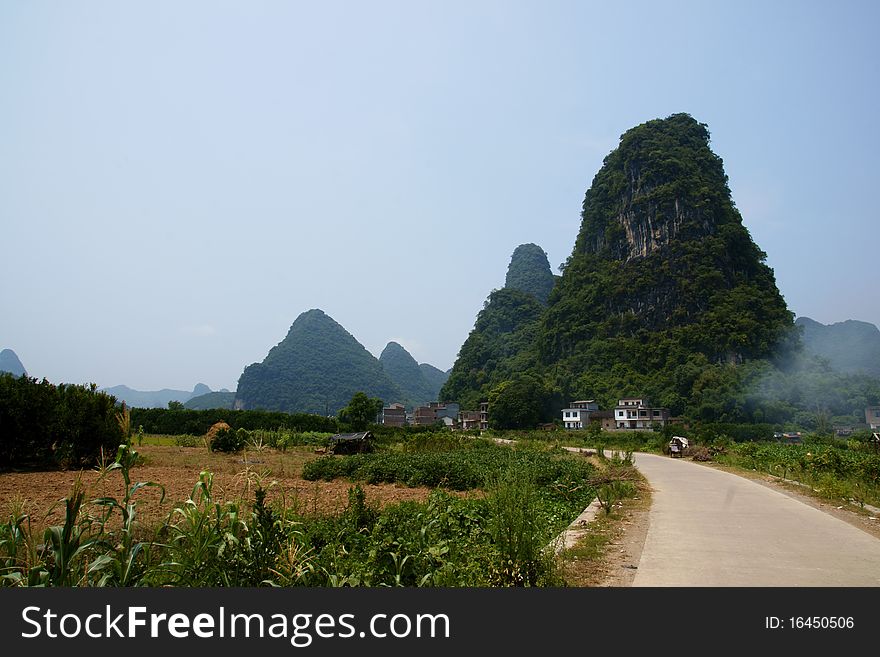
(174, 422)
(65, 425)
(228, 440)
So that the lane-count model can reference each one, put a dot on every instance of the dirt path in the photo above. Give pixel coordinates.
(708, 527)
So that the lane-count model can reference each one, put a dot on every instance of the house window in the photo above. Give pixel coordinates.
(619, 413)
(656, 413)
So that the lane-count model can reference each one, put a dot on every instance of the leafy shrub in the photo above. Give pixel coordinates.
(186, 421)
(186, 440)
(228, 440)
(44, 424)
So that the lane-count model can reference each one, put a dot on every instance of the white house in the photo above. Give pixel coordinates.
(577, 415)
(637, 413)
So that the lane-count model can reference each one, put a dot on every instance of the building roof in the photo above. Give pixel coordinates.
(363, 435)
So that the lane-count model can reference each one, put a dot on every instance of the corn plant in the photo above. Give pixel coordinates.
(20, 563)
(65, 546)
(124, 561)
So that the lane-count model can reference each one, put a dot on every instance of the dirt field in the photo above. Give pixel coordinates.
(177, 469)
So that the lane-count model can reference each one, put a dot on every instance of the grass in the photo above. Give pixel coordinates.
(593, 560)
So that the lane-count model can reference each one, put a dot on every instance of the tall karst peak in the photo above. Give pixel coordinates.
(662, 183)
(664, 288)
(407, 375)
(662, 246)
(316, 368)
(529, 271)
(9, 362)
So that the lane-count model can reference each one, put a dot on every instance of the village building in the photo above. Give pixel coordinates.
(872, 417)
(469, 420)
(577, 415)
(394, 415)
(436, 412)
(424, 416)
(603, 418)
(636, 413)
(445, 410)
(484, 416)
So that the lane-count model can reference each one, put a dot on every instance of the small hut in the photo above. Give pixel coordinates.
(351, 443)
(677, 445)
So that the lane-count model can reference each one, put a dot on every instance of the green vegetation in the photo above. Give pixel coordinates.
(42, 424)
(418, 384)
(230, 440)
(360, 412)
(529, 271)
(496, 348)
(838, 471)
(496, 537)
(664, 296)
(460, 468)
(211, 400)
(316, 369)
(435, 378)
(185, 421)
(665, 293)
(520, 403)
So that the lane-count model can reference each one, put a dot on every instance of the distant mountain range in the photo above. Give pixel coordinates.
(160, 398)
(319, 366)
(851, 346)
(9, 362)
(418, 384)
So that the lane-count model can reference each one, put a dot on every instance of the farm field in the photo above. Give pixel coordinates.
(429, 510)
(178, 468)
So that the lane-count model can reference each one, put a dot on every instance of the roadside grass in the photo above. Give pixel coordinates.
(593, 561)
(849, 474)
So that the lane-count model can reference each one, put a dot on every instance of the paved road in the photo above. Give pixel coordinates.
(712, 528)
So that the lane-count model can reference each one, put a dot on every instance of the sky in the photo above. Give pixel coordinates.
(179, 181)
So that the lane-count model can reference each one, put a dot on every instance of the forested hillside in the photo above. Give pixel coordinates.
(665, 295)
(317, 368)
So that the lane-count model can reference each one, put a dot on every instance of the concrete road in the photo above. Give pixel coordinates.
(712, 528)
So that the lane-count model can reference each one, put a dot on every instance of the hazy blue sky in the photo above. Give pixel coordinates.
(180, 180)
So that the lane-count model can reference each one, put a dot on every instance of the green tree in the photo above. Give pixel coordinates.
(361, 411)
(175, 405)
(520, 403)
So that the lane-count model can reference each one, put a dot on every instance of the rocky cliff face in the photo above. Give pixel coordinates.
(662, 184)
(662, 246)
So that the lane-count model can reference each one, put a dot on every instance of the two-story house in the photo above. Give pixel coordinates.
(637, 413)
(577, 415)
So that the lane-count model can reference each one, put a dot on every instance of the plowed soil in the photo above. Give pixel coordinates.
(235, 477)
